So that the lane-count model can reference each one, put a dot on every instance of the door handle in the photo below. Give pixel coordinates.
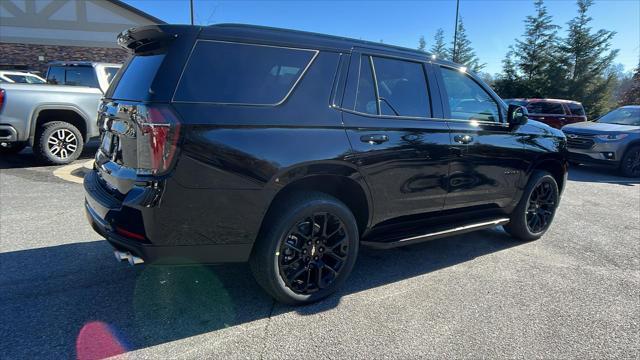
(374, 139)
(463, 139)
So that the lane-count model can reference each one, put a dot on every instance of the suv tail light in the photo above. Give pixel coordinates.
(1, 98)
(157, 139)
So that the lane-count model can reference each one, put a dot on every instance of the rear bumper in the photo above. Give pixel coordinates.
(103, 213)
(8, 133)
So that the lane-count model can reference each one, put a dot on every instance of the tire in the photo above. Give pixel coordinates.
(58, 143)
(283, 249)
(522, 224)
(12, 148)
(630, 164)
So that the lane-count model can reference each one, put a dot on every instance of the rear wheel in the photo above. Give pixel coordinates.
(630, 164)
(307, 250)
(534, 213)
(58, 143)
(11, 148)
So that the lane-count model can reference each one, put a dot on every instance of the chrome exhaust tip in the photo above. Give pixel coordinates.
(134, 260)
(122, 255)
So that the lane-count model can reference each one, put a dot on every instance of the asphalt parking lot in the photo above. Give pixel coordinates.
(575, 293)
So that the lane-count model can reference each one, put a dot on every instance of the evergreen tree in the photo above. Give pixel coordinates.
(586, 57)
(509, 84)
(439, 48)
(422, 45)
(536, 52)
(461, 51)
(632, 95)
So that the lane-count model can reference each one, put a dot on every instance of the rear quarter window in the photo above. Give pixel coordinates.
(135, 82)
(576, 109)
(235, 73)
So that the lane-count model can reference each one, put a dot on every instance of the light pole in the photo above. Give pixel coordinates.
(455, 32)
(191, 8)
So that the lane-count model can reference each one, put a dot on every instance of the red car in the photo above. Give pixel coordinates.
(553, 112)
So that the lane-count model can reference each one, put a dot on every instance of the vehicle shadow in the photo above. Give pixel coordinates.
(599, 174)
(26, 159)
(76, 298)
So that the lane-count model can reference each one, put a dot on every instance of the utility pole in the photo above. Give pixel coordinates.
(191, 7)
(455, 32)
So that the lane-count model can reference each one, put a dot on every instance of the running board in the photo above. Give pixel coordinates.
(435, 235)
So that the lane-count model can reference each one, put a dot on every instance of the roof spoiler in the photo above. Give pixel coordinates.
(148, 39)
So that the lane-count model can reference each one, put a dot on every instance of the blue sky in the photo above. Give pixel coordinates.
(492, 25)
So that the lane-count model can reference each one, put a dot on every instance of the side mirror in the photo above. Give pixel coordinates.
(517, 115)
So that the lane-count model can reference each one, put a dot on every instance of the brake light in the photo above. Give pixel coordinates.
(157, 139)
(1, 98)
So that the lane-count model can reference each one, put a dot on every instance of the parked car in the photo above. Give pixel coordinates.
(293, 149)
(82, 73)
(56, 120)
(20, 77)
(553, 112)
(613, 140)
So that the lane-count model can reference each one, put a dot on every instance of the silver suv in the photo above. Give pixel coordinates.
(613, 139)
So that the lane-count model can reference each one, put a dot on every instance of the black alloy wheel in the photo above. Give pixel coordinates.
(306, 249)
(536, 209)
(630, 164)
(313, 253)
(541, 207)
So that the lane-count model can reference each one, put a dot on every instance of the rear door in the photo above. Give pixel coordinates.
(489, 161)
(399, 141)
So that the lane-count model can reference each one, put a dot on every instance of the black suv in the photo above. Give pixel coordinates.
(289, 150)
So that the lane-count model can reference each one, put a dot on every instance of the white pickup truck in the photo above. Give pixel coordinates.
(56, 120)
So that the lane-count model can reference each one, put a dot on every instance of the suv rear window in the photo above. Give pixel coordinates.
(135, 82)
(235, 73)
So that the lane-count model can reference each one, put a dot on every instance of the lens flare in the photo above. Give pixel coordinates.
(97, 340)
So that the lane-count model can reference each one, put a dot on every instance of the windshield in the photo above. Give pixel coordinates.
(29, 79)
(622, 116)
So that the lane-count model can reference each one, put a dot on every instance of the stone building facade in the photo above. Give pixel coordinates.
(34, 33)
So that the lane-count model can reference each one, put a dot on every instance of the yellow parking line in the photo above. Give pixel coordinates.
(70, 173)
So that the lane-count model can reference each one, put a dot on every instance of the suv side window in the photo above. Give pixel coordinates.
(544, 107)
(576, 109)
(239, 73)
(467, 99)
(399, 88)
(402, 88)
(366, 93)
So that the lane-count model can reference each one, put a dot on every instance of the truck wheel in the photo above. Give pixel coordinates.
(630, 164)
(307, 248)
(58, 143)
(534, 213)
(12, 148)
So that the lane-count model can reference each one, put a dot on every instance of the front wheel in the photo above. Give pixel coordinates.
(307, 249)
(534, 213)
(630, 164)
